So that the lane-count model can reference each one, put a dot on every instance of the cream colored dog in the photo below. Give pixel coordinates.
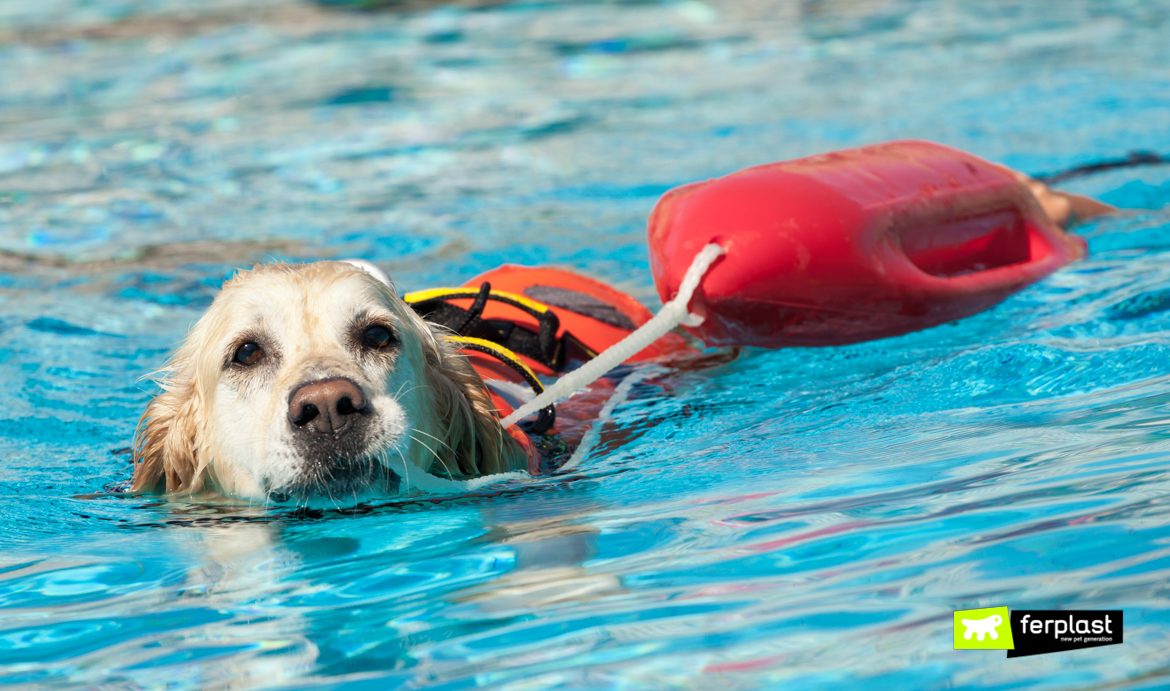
(315, 380)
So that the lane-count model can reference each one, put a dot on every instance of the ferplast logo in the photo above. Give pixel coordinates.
(1036, 631)
(983, 629)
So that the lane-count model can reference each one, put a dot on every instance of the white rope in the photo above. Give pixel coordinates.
(672, 314)
(593, 435)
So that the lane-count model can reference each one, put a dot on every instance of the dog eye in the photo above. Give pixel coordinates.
(377, 337)
(248, 354)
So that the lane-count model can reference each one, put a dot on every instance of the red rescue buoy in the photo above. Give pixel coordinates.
(854, 245)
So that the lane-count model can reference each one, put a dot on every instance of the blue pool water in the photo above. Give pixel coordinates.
(798, 517)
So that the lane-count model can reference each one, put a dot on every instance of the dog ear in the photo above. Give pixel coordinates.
(165, 458)
(471, 429)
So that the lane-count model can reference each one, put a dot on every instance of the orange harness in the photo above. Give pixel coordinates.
(516, 324)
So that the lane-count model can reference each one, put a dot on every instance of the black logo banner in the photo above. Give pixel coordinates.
(1039, 631)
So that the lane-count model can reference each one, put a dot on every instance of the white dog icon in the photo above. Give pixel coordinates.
(982, 627)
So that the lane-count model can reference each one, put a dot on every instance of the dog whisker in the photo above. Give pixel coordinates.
(400, 393)
(442, 443)
(405, 466)
(434, 454)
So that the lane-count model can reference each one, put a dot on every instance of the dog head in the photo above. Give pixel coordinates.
(315, 379)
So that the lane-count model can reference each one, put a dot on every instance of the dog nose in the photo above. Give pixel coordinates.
(327, 406)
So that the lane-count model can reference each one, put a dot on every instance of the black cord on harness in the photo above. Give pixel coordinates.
(547, 415)
(1135, 158)
(476, 309)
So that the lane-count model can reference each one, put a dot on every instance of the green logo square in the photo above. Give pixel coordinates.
(983, 629)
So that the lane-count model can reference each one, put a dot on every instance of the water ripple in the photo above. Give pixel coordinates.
(804, 518)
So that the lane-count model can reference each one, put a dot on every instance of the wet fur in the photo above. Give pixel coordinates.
(449, 426)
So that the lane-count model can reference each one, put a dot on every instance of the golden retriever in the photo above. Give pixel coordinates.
(315, 380)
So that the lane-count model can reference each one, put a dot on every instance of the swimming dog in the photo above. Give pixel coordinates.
(315, 379)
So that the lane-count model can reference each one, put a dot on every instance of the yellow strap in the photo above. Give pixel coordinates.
(502, 353)
(457, 293)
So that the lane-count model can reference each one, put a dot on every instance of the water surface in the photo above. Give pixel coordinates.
(801, 517)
